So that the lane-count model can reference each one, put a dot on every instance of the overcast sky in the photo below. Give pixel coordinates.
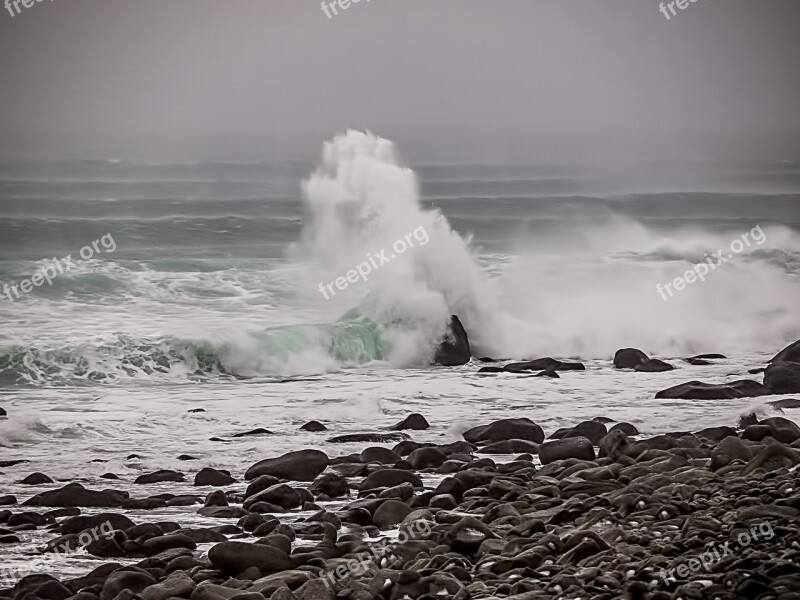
(448, 80)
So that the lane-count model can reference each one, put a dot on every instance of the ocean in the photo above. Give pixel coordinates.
(211, 300)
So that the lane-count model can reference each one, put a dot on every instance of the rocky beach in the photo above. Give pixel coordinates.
(509, 511)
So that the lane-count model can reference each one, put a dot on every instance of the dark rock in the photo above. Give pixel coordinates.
(781, 429)
(698, 362)
(789, 354)
(129, 579)
(716, 434)
(281, 494)
(783, 377)
(551, 374)
(389, 478)
(743, 388)
(543, 364)
(378, 438)
(511, 447)
(330, 484)
(8, 500)
(379, 454)
(197, 410)
(413, 421)
(625, 428)
(74, 494)
(425, 458)
(574, 447)
(785, 403)
(258, 431)
(773, 457)
(314, 426)
(177, 584)
(303, 465)
(628, 358)
(209, 476)
(492, 370)
(454, 349)
(653, 365)
(187, 457)
(36, 479)
(390, 513)
(507, 429)
(711, 356)
(594, 431)
(235, 557)
(161, 476)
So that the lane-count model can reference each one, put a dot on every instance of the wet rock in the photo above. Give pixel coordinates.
(625, 428)
(425, 458)
(161, 476)
(511, 447)
(454, 349)
(259, 484)
(330, 484)
(281, 494)
(209, 476)
(785, 403)
(543, 364)
(653, 365)
(629, 358)
(413, 421)
(728, 450)
(781, 429)
(235, 557)
(303, 465)
(196, 410)
(102, 522)
(507, 429)
(379, 438)
(550, 374)
(74, 494)
(390, 513)
(789, 354)
(592, 430)
(36, 479)
(574, 447)
(773, 457)
(783, 377)
(314, 426)
(716, 434)
(743, 388)
(129, 579)
(176, 584)
(187, 457)
(379, 454)
(257, 431)
(389, 478)
(8, 500)
(492, 370)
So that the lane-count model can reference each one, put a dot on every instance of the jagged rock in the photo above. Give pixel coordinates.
(454, 349)
(235, 557)
(413, 421)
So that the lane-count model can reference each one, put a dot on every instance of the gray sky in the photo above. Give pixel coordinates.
(448, 80)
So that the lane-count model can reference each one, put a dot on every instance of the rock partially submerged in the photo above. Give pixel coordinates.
(454, 350)
(743, 388)
(543, 364)
(507, 429)
(789, 354)
(629, 358)
(303, 465)
(783, 377)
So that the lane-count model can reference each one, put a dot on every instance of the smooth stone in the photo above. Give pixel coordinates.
(302, 465)
(628, 358)
(413, 421)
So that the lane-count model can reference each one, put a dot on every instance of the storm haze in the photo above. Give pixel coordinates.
(451, 80)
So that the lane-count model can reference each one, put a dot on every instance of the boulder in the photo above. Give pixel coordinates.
(379, 454)
(789, 354)
(653, 365)
(303, 465)
(574, 447)
(629, 358)
(235, 557)
(742, 388)
(209, 476)
(783, 377)
(280, 494)
(331, 485)
(389, 478)
(506, 429)
(390, 513)
(543, 364)
(74, 494)
(454, 349)
(129, 579)
(314, 426)
(413, 421)
(161, 476)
